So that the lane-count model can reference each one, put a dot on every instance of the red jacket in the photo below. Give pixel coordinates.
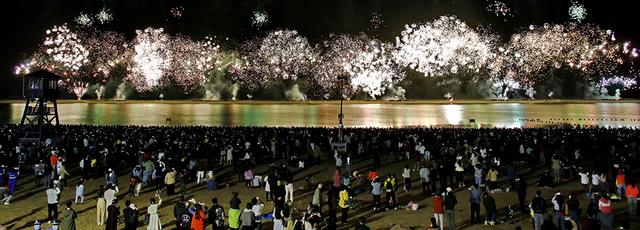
(373, 175)
(437, 205)
(632, 191)
(53, 160)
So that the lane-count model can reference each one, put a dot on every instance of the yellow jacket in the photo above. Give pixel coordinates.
(170, 178)
(344, 199)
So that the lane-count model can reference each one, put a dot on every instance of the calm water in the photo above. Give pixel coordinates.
(356, 115)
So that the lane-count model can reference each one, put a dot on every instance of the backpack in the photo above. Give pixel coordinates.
(186, 220)
(216, 215)
(388, 186)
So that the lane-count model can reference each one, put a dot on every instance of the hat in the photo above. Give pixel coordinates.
(449, 189)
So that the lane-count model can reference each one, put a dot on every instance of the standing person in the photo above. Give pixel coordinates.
(52, 203)
(278, 193)
(521, 189)
(438, 210)
(406, 176)
(390, 187)
(343, 202)
(200, 168)
(632, 198)
(267, 187)
(130, 213)
(278, 218)
(198, 221)
(450, 203)
(288, 197)
(555, 168)
(477, 174)
(109, 195)
(490, 209)
(584, 181)
(113, 211)
(170, 182)
(38, 171)
(474, 200)
(492, 177)
(595, 182)
(257, 206)
(459, 169)
(234, 211)
(538, 206)
(68, 218)
(317, 197)
(152, 211)
(133, 184)
(248, 178)
(376, 192)
(101, 207)
(558, 208)
(424, 179)
(181, 213)
(573, 206)
(216, 215)
(247, 218)
(63, 174)
(620, 183)
(80, 192)
(606, 213)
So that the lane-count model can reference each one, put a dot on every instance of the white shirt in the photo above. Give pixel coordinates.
(406, 173)
(584, 178)
(595, 179)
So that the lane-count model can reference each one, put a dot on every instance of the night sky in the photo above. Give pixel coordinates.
(24, 22)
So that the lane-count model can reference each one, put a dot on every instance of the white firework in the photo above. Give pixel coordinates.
(373, 69)
(84, 19)
(442, 47)
(500, 9)
(260, 18)
(577, 11)
(177, 12)
(66, 50)
(281, 55)
(104, 16)
(151, 59)
(192, 60)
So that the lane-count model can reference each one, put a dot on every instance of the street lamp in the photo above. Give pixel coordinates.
(341, 79)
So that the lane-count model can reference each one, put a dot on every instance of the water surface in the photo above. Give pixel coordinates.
(325, 115)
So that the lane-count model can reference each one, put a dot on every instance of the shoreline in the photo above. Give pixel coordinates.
(316, 102)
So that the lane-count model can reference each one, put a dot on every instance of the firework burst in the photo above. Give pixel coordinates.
(373, 69)
(151, 59)
(260, 18)
(177, 12)
(577, 11)
(442, 47)
(84, 20)
(500, 9)
(192, 60)
(281, 55)
(104, 16)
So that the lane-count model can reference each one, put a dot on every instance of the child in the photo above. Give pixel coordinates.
(80, 192)
(133, 183)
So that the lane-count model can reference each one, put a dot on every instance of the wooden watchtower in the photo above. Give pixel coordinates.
(40, 117)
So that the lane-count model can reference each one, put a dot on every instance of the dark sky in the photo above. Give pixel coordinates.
(24, 22)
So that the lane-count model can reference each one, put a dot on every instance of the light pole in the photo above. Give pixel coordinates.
(341, 115)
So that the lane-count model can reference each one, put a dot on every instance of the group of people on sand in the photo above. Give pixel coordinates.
(445, 161)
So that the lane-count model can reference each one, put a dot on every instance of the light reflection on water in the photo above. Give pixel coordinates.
(325, 115)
